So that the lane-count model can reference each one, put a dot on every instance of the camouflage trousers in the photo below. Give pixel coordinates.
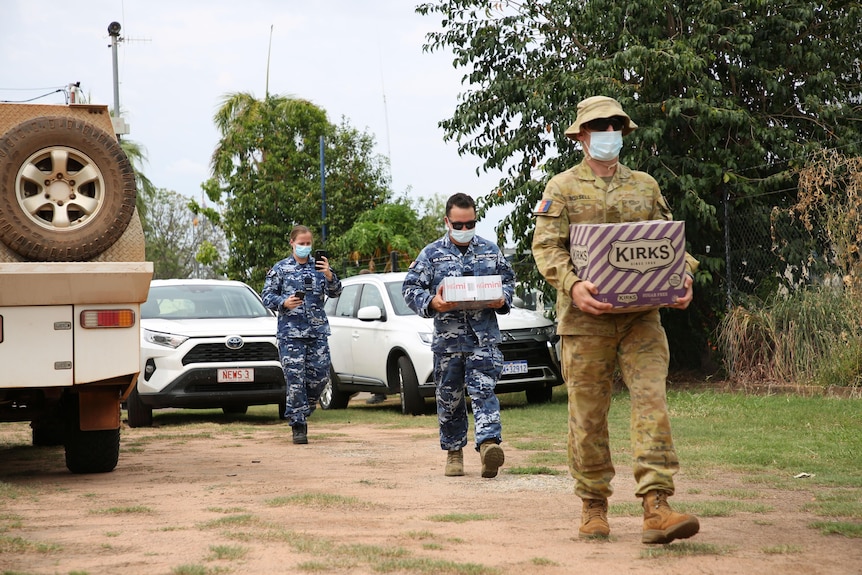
(639, 347)
(305, 362)
(476, 372)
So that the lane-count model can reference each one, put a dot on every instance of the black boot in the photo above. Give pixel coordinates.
(300, 433)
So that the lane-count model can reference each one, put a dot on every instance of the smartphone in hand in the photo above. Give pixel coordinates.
(299, 294)
(320, 254)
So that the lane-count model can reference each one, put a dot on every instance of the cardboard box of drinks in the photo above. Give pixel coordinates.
(472, 292)
(635, 266)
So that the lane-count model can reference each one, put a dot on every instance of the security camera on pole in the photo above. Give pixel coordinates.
(120, 127)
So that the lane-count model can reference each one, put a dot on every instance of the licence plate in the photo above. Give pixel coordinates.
(229, 375)
(511, 367)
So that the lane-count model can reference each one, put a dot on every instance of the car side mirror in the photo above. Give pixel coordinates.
(370, 313)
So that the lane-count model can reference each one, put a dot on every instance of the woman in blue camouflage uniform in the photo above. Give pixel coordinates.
(465, 345)
(296, 288)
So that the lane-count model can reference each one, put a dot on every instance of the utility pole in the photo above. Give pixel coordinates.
(120, 127)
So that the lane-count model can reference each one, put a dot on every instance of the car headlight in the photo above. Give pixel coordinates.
(165, 339)
(426, 337)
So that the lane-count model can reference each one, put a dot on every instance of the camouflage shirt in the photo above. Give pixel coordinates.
(308, 319)
(578, 196)
(458, 330)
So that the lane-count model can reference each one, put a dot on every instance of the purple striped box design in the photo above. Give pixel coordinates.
(633, 265)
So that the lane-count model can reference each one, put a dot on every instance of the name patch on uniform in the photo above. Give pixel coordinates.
(542, 206)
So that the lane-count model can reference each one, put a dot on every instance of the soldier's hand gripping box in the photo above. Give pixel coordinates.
(472, 292)
(637, 265)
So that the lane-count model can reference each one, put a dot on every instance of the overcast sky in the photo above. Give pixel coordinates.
(360, 59)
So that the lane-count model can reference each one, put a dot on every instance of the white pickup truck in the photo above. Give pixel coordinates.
(72, 278)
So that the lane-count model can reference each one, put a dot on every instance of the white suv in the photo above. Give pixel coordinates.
(205, 344)
(379, 345)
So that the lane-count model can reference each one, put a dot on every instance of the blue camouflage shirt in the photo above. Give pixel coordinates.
(288, 277)
(458, 330)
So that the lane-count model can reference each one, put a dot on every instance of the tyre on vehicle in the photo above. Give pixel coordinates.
(67, 188)
(139, 414)
(412, 403)
(331, 397)
(88, 451)
(539, 394)
(234, 409)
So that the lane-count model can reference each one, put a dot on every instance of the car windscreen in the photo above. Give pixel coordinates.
(202, 301)
(398, 303)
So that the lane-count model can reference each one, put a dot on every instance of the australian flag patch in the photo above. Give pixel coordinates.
(542, 206)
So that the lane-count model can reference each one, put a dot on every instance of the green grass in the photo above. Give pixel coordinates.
(460, 517)
(764, 442)
(845, 528)
(533, 470)
(768, 439)
(320, 501)
(19, 545)
(684, 549)
(227, 552)
(131, 509)
(783, 549)
(720, 508)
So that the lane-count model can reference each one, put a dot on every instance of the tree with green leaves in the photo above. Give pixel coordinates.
(180, 243)
(730, 99)
(137, 157)
(266, 178)
(392, 227)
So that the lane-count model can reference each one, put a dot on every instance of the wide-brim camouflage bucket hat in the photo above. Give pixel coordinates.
(596, 107)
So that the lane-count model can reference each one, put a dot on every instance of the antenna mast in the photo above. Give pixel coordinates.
(268, 54)
(120, 127)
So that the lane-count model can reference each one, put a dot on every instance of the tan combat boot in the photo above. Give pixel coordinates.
(454, 463)
(594, 519)
(662, 524)
(492, 458)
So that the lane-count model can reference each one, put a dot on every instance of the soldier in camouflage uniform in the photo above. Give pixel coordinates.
(594, 343)
(295, 288)
(465, 345)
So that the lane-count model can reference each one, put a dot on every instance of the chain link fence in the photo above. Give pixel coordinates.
(766, 252)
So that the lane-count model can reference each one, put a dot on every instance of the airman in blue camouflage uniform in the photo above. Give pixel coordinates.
(465, 344)
(594, 342)
(296, 288)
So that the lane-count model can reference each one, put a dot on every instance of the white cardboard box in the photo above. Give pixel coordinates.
(637, 265)
(472, 292)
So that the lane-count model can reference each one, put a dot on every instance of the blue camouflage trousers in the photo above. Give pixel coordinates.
(306, 370)
(639, 348)
(476, 372)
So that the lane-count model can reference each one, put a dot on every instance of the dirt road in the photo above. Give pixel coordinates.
(212, 498)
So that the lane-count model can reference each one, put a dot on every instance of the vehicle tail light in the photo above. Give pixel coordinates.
(97, 318)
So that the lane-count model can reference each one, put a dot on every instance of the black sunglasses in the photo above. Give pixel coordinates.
(461, 225)
(602, 124)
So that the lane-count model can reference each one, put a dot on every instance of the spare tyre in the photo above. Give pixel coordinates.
(67, 189)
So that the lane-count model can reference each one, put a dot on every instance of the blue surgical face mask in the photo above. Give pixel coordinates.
(302, 251)
(462, 236)
(605, 146)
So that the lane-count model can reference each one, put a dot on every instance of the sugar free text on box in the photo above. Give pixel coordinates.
(636, 265)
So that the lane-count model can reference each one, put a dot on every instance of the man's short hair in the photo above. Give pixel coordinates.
(459, 200)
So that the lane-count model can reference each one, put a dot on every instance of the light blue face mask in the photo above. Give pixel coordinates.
(302, 251)
(462, 236)
(605, 146)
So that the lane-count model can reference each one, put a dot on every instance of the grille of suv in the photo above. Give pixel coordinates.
(523, 335)
(218, 353)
